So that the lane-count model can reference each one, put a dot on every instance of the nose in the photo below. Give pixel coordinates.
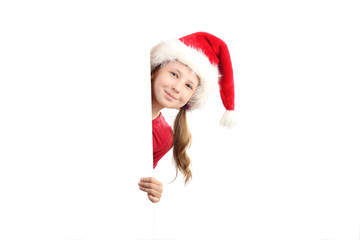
(176, 87)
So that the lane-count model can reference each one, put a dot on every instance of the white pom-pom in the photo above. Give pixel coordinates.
(228, 119)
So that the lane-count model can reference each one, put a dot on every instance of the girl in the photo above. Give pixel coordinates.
(183, 74)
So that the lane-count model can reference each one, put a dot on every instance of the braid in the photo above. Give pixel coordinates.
(182, 139)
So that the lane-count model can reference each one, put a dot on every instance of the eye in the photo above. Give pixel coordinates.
(189, 86)
(174, 74)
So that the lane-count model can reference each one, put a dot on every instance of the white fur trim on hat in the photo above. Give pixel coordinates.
(196, 60)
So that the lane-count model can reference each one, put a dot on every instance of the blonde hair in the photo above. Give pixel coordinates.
(182, 140)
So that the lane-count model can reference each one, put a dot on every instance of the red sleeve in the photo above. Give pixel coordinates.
(162, 138)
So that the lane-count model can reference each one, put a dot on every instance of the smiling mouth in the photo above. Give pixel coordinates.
(170, 96)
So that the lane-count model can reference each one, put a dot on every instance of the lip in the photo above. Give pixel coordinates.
(170, 96)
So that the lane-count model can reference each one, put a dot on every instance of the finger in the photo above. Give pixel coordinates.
(153, 199)
(151, 186)
(151, 192)
(150, 180)
(151, 183)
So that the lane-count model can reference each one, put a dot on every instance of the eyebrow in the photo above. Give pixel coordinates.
(178, 72)
(191, 82)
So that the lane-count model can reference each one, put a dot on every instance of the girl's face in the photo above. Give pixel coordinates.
(172, 86)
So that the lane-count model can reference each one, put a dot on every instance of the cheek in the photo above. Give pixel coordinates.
(161, 83)
(187, 96)
(158, 84)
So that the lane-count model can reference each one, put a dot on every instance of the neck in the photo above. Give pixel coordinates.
(155, 112)
(155, 115)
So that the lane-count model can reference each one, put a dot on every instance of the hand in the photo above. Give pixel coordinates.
(153, 187)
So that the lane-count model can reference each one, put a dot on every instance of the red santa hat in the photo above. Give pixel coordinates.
(209, 58)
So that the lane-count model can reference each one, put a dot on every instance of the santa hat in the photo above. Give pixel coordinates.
(209, 58)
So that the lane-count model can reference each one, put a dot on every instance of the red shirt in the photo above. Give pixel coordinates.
(162, 138)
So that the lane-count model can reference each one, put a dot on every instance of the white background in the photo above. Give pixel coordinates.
(75, 130)
(290, 169)
(74, 134)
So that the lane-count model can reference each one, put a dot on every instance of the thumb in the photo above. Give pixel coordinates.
(153, 199)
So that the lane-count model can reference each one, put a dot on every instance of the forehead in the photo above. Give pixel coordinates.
(178, 64)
